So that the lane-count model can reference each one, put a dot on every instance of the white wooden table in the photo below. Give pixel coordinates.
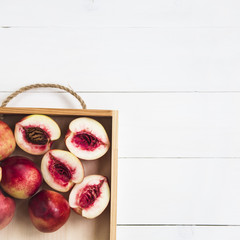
(172, 69)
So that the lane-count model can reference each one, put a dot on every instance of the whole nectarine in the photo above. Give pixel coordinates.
(20, 177)
(7, 210)
(48, 210)
(7, 141)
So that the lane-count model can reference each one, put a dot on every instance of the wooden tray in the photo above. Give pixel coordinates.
(77, 227)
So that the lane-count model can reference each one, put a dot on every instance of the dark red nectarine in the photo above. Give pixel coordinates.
(48, 210)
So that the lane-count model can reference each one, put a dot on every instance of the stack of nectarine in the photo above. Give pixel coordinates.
(20, 177)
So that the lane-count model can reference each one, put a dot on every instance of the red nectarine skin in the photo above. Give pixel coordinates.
(7, 210)
(19, 174)
(62, 173)
(89, 194)
(7, 141)
(86, 140)
(48, 210)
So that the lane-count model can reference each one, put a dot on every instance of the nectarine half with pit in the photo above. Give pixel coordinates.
(61, 169)
(87, 138)
(90, 197)
(35, 133)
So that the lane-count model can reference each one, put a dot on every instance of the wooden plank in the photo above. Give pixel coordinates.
(179, 232)
(160, 13)
(122, 59)
(161, 125)
(179, 191)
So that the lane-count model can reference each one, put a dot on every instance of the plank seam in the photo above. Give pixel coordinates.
(179, 157)
(120, 27)
(178, 225)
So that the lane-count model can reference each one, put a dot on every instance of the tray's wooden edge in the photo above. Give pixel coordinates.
(114, 176)
(57, 111)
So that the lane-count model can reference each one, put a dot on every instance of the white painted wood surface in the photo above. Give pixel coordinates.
(122, 59)
(179, 233)
(172, 70)
(142, 13)
(179, 191)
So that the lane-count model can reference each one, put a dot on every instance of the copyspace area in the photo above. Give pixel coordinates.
(171, 68)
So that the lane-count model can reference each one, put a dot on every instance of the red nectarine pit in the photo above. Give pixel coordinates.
(89, 194)
(86, 140)
(61, 172)
(36, 135)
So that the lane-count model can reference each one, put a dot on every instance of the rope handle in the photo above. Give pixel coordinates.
(43, 85)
